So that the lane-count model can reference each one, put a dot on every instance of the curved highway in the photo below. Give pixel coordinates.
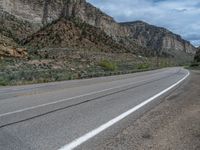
(67, 115)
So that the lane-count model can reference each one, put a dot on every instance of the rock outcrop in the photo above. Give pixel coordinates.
(8, 48)
(133, 33)
(45, 11)
(12, 52)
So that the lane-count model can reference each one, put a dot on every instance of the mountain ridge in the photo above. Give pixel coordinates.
(46, 11)
(162, 38)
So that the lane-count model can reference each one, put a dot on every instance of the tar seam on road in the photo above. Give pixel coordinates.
(77, 142)
(62, 100)
(43, 105)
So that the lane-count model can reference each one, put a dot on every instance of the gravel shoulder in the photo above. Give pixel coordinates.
(172, 125)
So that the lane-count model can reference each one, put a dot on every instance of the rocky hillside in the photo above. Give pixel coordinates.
(129, 34)
(9, 48)
(45, 11)
(157, 38)
(73, 34)
(12, 31)
(15, 28)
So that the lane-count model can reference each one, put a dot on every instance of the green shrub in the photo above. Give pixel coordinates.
(197, 56)
(108, 65)
(3, 82)
(195, 64)
(143, 66)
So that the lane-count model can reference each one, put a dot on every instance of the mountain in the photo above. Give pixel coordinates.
(157, 38)
(42, 12)
(46, 11)
(54, 40)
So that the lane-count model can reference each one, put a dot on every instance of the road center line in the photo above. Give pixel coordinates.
(77, 142)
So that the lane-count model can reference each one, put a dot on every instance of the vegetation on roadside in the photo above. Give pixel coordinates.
(197, 56)
(63, 64)
(196, 63)
(108, 65)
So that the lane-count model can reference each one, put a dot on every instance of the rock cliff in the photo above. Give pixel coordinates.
(148, 36)
(45, 11)
(157, 38)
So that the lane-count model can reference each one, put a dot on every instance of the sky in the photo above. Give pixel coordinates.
(179, 16)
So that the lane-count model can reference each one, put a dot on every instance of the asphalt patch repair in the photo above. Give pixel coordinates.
(172, 125)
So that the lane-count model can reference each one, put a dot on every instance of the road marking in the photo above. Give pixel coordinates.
(71, 98)
(77, 142)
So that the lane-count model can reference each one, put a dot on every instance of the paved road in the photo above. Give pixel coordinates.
(172, 125)
(50, 116)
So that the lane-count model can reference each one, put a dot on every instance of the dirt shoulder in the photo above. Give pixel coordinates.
(172, 125)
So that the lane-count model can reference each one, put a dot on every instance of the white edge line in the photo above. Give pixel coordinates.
(103, 127)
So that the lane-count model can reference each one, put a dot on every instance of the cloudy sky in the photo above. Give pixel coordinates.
(180, 16)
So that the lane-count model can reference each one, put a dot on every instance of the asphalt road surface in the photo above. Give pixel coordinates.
(70, 114)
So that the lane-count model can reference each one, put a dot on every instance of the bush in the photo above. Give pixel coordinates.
(108, 65)
(194, 64)
(3, 82)
(143, 66)
(197, 56)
